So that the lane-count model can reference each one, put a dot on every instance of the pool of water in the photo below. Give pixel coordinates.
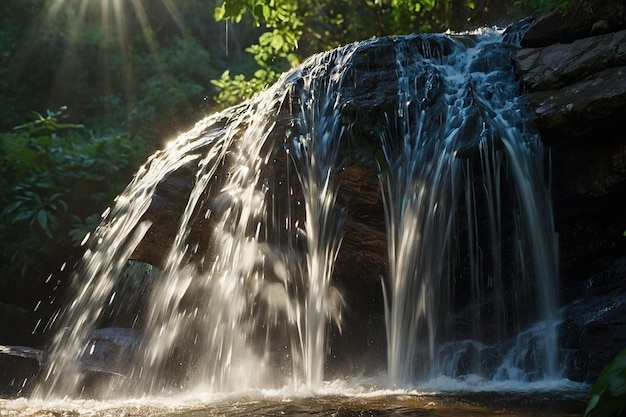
(334, 399)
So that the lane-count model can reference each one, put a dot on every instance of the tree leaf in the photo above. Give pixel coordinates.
(42, 219)
(277, 41)
(220, 13)
(607, 395)
(12, 207)
(26, 214)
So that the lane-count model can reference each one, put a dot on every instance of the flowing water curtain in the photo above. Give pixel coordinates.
(458, 101)
(224, 316)
(487, 203)
(315, 147)
(514, 187)
(420, 186)
(106, 254)
(536, 256)
(174, 315)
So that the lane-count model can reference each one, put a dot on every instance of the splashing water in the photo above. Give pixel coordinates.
(249, 301)
(102, 264)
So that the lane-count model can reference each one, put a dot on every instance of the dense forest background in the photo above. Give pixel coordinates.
(89, 89)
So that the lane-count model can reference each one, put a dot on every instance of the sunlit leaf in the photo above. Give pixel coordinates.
(220, 13)
(277, 42)
(266, 11)
(260, 73)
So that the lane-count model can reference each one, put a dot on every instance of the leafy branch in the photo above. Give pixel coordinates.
(55, 180)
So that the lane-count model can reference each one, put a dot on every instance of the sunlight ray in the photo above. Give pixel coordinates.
(55, 8)
(70, 54)
(122, 39)
(170, 5)
(105, 23)
(148, 34)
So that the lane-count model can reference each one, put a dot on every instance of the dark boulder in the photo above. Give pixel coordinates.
(580, 19)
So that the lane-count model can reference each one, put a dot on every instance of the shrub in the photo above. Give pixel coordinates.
(55, 180)
(608, 393)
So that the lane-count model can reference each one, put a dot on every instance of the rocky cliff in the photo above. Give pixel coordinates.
(573, 68)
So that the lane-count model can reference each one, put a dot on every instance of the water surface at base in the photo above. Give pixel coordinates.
(478, 400)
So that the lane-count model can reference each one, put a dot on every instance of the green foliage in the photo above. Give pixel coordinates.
(170, 89)
(56, 180)
(273, 53)
(142, 67)
(34, 204)
(232, 90)
(295, 29)
(608, 394)
(539, 6)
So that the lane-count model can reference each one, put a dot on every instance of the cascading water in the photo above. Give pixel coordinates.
(419, 181)
(260, 294)
(315, 147)
(448, 101)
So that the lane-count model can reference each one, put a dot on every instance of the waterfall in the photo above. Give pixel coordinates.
(247, 294)
(449, 102)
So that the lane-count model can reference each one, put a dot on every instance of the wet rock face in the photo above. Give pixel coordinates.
(594, 328)
(575, 87)
(15, 375)
(573, 66)
(16, 325)
(577, 92)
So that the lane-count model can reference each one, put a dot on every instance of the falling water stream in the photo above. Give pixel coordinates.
(423, 181)
(240, 325)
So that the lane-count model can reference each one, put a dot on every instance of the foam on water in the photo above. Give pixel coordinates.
(358, 395)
